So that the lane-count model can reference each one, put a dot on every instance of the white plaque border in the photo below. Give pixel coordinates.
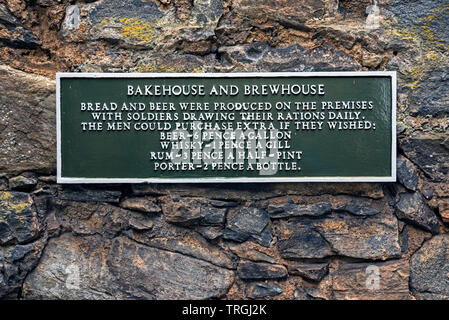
(73, 180)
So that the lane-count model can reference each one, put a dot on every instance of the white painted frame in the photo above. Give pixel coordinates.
(391, 178)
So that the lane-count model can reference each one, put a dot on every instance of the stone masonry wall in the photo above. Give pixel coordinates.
(229, 241)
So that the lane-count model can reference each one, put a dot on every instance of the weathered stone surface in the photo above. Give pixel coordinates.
(421, 15)
(367, 281)
(27, 122)
(13, 32)
(22, 182)
(209, 232)
(261, 289)
(3, 184)
(373, 237)
(110, 221)
(178, 239)
(313, 272)
(245, 192)
(192, 212)
(423, 67)
(424, 101)
(252, 251)
(246, 223)
(265, 238)
(429, 153)
(72, 268)
(134, 23)
(357, 208)
(48, 179)
(18, 219)
(282, 11)
(429, 269)
(140, 204)
(301, 294)
(412, 208)
(312, 206)
(140, 222)
(443, 207)
(248, 270)
(78, 193)
(233, 192)
(93, 218)
(298, 240)
(290, 209)
(262, 57)
(16, 261)
(194, 246)
(167, 275)
(406, 173)
(412, 239)
(94, 268)
(308, 290)
(223, 204)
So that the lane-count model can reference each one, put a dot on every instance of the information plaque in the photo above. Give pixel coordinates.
(226, 127)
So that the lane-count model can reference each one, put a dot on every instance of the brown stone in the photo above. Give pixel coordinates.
(283, 11)
(184, 241)
(372, 281)
(140, 204)
(372, 237)
(239, 192)
(192, 212)
(412, 239)
(443, 206)
(27, 122)
(252, 251)
(96, 268)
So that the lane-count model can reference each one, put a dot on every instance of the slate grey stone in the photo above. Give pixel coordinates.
(246, 223)
(357, 209)
(417, 16)
(261, 289)
(429, 269)
(123, 269)
(371, 237)
(314, 272)
(78, 193)
(249, 270)
(290, 209)
(192, 212)
(429, 153)
(302, 241)
(18, 219)
(223, 204)
(406, 173)
(412, 208)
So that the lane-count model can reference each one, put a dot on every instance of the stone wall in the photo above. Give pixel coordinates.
(197, 241)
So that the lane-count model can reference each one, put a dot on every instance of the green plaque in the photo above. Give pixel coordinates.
(226, 127)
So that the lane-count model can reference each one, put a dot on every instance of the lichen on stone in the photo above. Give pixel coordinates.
(133, 28)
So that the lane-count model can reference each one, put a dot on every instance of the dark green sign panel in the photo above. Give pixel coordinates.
(233, 127)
